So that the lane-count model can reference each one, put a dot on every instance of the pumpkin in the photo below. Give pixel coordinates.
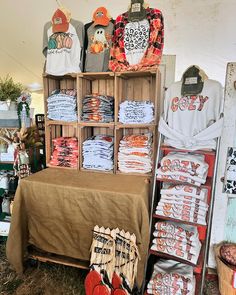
(96, 47)
(59, 41)
(101, 290)
(52, 44)
(67, 42)
(92, 279)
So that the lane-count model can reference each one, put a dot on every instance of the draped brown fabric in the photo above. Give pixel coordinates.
(56, 210)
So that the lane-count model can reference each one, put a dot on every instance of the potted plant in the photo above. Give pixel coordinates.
(9, 92)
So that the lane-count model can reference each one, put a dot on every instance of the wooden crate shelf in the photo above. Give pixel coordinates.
(94, 83)
(53, 131)
(88, 131)
(96, 124)
(147, 73)
(120, 132)
(136, 85)
(62, 123)
(97, 75)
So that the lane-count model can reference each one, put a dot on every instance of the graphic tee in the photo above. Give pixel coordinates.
(188, 116)
(185, 167)
(63, 49)
(170, 277)
(136, 41)
(98, 41)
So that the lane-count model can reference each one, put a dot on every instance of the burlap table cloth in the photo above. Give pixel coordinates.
(56, 210)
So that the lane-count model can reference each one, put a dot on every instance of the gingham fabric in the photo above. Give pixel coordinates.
(153, 54)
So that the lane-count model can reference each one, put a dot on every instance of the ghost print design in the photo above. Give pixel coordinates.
(100, 41)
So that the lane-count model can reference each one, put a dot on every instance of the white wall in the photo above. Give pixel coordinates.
(198, 32)
(37, 103)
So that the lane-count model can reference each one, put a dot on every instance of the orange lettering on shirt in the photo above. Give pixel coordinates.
(202, 101)
(192, 107)
(174, 104)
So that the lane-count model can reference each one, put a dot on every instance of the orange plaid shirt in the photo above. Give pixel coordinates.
(153, 54)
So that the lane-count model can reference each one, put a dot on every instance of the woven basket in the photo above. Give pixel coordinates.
(225, 274)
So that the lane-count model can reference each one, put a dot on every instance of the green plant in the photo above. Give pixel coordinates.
(9, 90)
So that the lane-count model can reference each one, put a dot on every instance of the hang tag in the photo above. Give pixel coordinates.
(234, 280)
(190, 80)
(136, 7)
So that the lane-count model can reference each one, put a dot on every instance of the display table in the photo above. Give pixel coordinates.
(56, 211)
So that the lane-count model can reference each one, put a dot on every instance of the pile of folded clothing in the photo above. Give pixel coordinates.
(136, 112)
(98, 108)
(98, 152)
(135, 154)
(62, 105)
(172, 278)
(183, 202)
(178, 240)
(65, 153)
(183, 167)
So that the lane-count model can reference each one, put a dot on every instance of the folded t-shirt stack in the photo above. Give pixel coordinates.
(62, 105)
(65, 152)
(183, 167)
(172, 278)
(178, 240)
(98, 108)
(135, 154)
(136, 112)
(177, 203)
(98, 153)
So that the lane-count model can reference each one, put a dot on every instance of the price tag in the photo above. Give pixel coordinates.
(136, 7)
(190, 80)
(234, 280)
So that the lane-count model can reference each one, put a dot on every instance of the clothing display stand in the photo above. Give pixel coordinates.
(200, 269)
(140, 86)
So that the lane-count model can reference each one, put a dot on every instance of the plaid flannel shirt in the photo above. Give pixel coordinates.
(153, 54)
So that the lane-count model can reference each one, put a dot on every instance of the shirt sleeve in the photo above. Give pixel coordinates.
(86, 27)
(45, 38)
(166, 104)
(79, 27)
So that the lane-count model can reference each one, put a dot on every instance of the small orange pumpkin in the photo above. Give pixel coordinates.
(67, 42)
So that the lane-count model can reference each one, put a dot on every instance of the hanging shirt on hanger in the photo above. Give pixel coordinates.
(137, 45)
(98, 41)
(192, 121)
(62, 45)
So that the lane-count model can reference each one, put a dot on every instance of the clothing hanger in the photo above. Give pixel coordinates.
(59, 3)
(137, 11)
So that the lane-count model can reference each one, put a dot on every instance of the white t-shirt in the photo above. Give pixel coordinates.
(189, 115)
(185, 190)
(136, 41)
(63, 52)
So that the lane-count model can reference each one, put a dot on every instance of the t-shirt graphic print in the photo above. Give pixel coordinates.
(63, 52)
(136, 41)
